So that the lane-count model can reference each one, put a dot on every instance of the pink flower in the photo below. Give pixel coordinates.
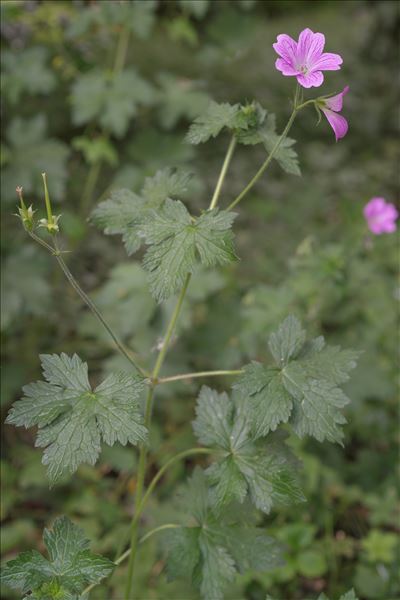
(305, 59)
(381, 216)
(331, 107)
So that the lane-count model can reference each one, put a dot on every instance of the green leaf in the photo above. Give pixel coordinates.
(70, 568)
(72, 419)
(32, 152)
(181, 99)
(264, 471)
(210, 123)
(285, 155)
(166, 183)
(26, 71)
(96, 150)
(124, 212)
(121, 214)
(287, 341)
(111, 99)
(302, 389)
(269, 403)
(177, 242)
(212, 551)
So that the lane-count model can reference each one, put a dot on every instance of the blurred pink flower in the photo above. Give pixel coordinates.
(305, 59)
(381, 216)
(331, 107)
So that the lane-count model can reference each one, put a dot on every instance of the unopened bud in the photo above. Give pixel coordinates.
(24, 213)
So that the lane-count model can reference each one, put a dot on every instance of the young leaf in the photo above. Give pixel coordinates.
(210, 123)
(72, 419)
(177, 242)
(124, 212)
(70, 568)
(302, 389)
(264, 471)
(212, 551)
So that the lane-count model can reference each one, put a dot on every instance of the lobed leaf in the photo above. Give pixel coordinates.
(72, 419)
(303, 390)
(177, 242)
(212, 551)
(70, 568)
(265, 472)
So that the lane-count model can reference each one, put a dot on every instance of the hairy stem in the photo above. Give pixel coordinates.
(269, 158)
(222, 174)
(149, 400)
(198, 374)
(94, 309)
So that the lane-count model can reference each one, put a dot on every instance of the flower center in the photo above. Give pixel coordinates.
(304, 70)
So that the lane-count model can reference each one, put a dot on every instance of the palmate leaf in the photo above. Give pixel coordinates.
(112, 100)
(212, 551)
(265, 471)
(72, 419)
(243, 120)
(304, 387)
(70, 568)
(177, 242)
(123, 213)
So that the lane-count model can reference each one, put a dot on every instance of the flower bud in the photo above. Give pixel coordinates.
(24, 213)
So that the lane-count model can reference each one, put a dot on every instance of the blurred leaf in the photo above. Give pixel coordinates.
(180, 99)
(26, 72)
(24, 287)
(96, 150)
(110, 99)
(32, 153)
(380, 546)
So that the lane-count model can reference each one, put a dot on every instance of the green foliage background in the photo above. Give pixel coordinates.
(99, 111)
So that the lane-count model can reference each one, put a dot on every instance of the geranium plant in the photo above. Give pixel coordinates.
(242, 433)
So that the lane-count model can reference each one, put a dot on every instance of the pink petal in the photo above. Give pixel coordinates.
(310, 79)
(285, 67)
(337, 122)
(374, 207)
(327, 62)
(309, 47)
(391, 212)
(336, 102)
(286, 47)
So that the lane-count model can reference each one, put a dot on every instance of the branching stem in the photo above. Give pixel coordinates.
(139, 498)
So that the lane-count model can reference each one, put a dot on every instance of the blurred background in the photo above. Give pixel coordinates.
(100, 95)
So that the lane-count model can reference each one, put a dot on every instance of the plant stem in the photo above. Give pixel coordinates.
(122, 49)
(222, 174)
(198, 374)
(269, 158)
(147, 421)
(90, 184)
(149, 400)
(94, 309)
(125, 555)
